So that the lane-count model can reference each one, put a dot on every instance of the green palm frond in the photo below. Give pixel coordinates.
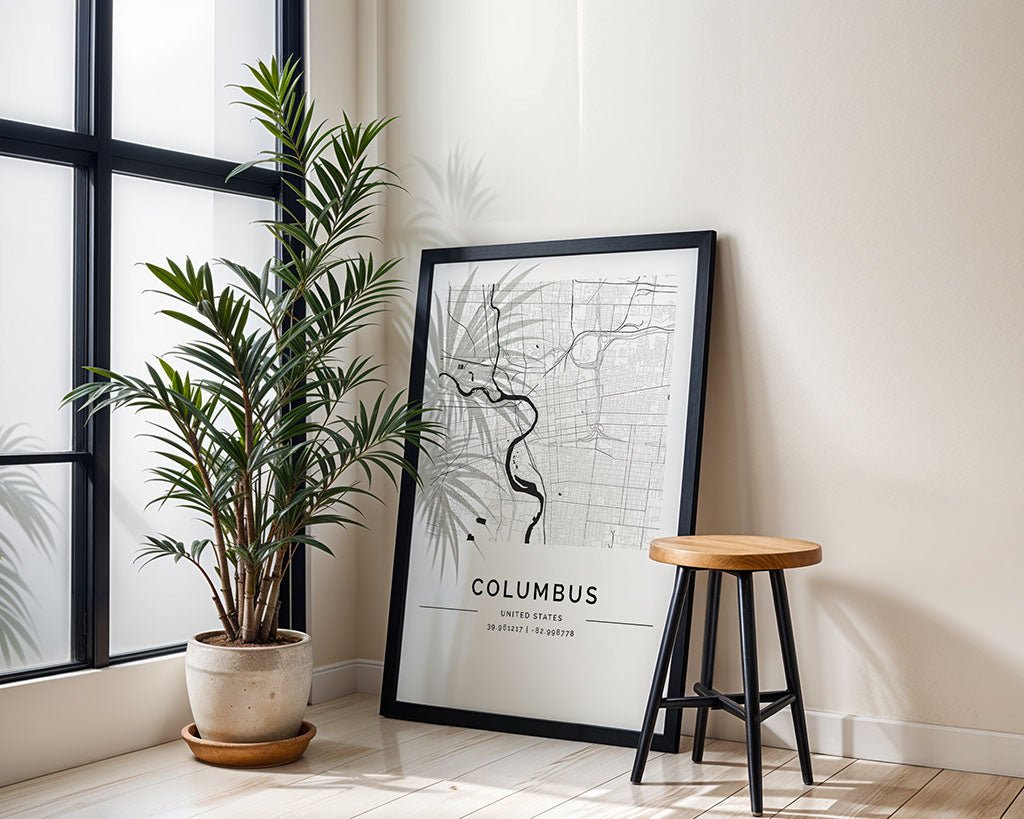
(232, 407)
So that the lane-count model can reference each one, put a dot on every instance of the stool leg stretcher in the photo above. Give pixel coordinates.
(751, 705)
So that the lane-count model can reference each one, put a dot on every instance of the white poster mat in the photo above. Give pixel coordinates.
(564, 382)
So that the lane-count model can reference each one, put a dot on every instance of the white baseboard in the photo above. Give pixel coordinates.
(333, 681)
(347, 677)
(369, 676)
(886, 740)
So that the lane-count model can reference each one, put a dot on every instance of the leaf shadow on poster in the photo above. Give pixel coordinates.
(457, 477)
(455, 202)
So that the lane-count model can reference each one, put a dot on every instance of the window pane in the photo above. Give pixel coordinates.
(35, 565)
(163, 602)
(37, 62)
(35, 304)
(172, 62)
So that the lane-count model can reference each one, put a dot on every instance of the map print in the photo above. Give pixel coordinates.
(555, 396)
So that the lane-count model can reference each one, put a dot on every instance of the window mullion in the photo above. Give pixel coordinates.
(291, 33)
(81, 476)
(83, 66)
(147, 162)
(98, 571)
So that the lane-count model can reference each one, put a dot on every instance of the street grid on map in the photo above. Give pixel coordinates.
(558, 393)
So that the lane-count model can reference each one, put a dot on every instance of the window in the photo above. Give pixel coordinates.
(114, 150)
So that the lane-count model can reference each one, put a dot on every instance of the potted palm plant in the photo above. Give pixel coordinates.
(264, 424)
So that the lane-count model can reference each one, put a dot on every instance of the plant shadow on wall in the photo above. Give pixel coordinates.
(456, 200)
(28, 516)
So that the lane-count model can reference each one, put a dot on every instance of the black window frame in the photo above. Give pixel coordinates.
(96, 156)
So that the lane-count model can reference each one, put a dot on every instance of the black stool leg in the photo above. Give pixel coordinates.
(751, 690)
(788, 644)
(682, 601)
(707, 663)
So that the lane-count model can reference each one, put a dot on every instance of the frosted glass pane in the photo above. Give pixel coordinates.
(37, 61)
(172, 62)
(35, 304)
(35, 569)
(163, 602)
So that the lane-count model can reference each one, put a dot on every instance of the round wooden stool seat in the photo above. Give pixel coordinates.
(735, 553)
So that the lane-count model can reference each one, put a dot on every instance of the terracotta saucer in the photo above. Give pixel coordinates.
(248, 754)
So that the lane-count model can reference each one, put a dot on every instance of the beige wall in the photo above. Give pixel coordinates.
(863, 162)
(337, 84)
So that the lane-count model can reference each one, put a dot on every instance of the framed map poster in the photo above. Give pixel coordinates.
(569, 377)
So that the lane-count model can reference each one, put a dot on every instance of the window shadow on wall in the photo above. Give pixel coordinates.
(919, 664)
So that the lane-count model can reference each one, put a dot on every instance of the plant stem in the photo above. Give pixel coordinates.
(275, 621)
(228, 608)
(229, 628)
(272, 603)
(264, 593)
(249, 624)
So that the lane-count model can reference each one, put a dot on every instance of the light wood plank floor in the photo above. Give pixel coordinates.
(363, 765)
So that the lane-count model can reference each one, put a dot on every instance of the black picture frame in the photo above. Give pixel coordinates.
(704, 242)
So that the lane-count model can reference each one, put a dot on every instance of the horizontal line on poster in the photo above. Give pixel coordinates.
(447, 608)
(621, 623)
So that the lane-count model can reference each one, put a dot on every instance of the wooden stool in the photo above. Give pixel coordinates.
(740, 555)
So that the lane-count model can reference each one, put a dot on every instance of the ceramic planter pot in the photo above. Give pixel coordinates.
(249, 694)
